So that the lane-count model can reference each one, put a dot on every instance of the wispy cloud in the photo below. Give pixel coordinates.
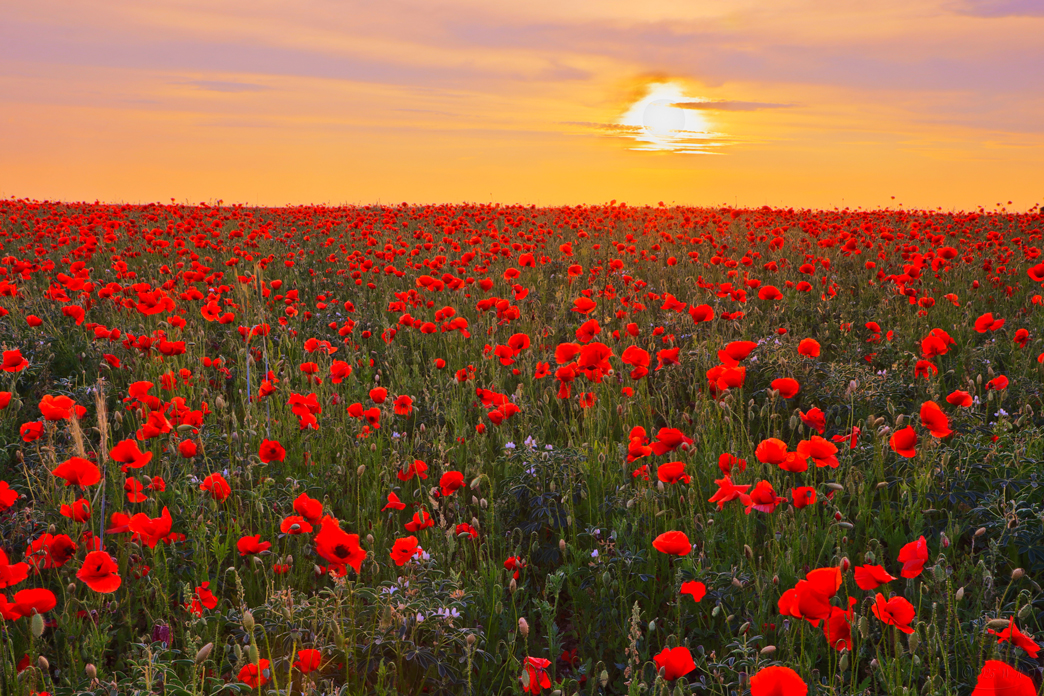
(998, 8)
(725, 105)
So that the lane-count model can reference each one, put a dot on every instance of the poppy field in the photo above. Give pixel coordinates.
(482, 449)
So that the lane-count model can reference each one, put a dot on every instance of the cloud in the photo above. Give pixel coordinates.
(998, 8)
(726, 105)
(219, 86)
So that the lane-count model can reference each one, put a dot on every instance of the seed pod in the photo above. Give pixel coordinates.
(204, 653)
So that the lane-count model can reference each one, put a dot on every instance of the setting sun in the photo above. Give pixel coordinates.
(659, 122)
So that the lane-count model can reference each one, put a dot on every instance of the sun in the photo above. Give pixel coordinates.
(657, 115)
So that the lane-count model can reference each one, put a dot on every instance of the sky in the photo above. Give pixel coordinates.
(802, 103)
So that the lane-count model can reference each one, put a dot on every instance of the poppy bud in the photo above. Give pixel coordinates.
(882, 484)
(71, 589)
(662, 673)
(475, 522)
(204, 653)
(744, 628)
(373, 447)
(252, 655)
(43, 664)
(1017, 574)
(944, 540)
(1024, 612)
(470, 639)
(767, 650)
(980, 531)
(652, 626)
(736, 582)
(562, 545)
(483, 504)
(523, 627)
(997, 623)
(248, 621)
(864, 627)
(913, 640)
(843, 663)
(52, 530)
(874, 664)
(845, 564)
(91, 671)
(369, 539)
(959, 595)
(38, 625)
(475, 483)
(513, 586)
(869, 557)
(603, 678)
(775, 579)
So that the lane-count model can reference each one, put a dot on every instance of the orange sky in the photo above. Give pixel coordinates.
(810, 103)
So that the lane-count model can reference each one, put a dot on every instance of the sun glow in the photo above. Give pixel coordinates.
(658, 123)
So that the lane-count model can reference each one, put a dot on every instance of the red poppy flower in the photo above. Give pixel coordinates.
(78, 472)
(637, 358)
(249, 545)
(421, 521)
(769, 292)
(128, 454)
(727, 463)
(309, 508)
(13, 361)
(934, 420)
(150, 530)
(810, 598)
(308, 660)
(999, 677)
(736, 351)
(821, 452)
(763, 498)
(337, 546)
(295, 524)
(787, 387)
(54, 408)
(667, 357)
(27, 603)
(870, 577)
(404, 549)
(535, 676)
(403, 405)
(676, 662)
(99, 572)
(815, 419)
(802, 496)
(670, 439)
(837, 628)
(895, 612)
(987, 323)
(997, 383)
(451, 481)
(417, 468)
(809, 347)
(11, 573)
(959, 398)
(904, 442)
(217, 486)
(271, 450)
(672, 472)
(701, 313)
(584, 305)
(913, 556)
(727, 492)
(777, 681)
(79, 511)
(394, 503)
(253, 675)
(1013, 635)
(465, 528)
(672, 544)
(697, 589)
(378, 395)
(50, 551)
